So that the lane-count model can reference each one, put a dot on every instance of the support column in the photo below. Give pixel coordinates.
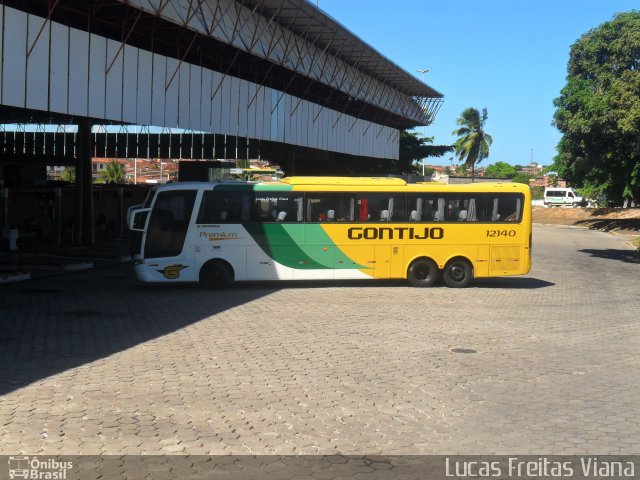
(84, 233)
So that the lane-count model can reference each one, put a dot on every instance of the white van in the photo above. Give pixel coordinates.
(556, 197)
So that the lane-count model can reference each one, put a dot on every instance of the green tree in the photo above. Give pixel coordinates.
(598, 111)
(473, 142)
(114, 172)
(520, 177)
(68, 175)
(414, 148)
(500, 170)
(537, 193)
(461, 170)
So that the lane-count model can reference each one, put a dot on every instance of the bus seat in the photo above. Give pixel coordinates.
(384, 216)
(331, 215)
(414, 216)
(223, 215)
(462, 215)
(281, 216)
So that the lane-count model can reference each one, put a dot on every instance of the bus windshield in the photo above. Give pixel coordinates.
(169, 222)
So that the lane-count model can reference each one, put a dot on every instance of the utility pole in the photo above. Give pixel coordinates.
(425, 127)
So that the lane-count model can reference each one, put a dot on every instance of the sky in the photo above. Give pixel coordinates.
(509, 56)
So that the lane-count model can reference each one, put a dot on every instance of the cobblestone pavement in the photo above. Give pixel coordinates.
(94, 362)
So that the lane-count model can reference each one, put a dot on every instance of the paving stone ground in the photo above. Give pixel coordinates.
(95, 362)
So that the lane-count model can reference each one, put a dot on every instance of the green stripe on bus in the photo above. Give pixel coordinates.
(277, 241)
(265, 187)
(316, 236)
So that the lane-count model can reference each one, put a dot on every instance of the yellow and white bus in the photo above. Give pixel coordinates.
(319, 228)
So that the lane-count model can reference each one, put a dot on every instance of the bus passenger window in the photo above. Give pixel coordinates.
(466, 207)
(223, 207)
(363, 209)
(423, 207)
(277, 207)
(453, 208)
(505, 207)
(438, 210)
(382, 207)
(476, 208)
(330, 207)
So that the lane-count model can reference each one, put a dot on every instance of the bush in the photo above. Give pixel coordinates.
(537, 193)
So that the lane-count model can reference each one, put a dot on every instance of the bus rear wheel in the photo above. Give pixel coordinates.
(422, 273)
(457, 273)
(216, 275)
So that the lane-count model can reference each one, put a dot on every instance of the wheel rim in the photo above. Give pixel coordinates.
(422, 272)
(457, 272)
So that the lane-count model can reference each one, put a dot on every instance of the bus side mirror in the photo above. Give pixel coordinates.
(138, 219)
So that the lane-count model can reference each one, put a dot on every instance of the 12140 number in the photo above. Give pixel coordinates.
(501, 233)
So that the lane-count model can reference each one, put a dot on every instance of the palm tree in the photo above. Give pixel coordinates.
(473, 142)
(114, 172)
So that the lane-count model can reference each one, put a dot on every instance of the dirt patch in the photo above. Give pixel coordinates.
(620, 218)
(623, 220)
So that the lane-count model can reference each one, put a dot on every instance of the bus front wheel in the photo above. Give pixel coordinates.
(457, 273)
(216, 274)
(422, 273)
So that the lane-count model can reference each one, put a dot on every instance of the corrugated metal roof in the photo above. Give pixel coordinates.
(307, 20)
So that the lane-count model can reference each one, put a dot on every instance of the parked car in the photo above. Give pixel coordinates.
(557, 197)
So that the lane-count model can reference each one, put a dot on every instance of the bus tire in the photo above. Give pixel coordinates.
(423, 272)
(457, 273)
(216, 275)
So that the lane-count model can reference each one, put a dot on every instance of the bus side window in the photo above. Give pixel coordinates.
(330, 207)
(224, 207)
(505, 207)
(276, 207)
(438, 210)
(477, 208)
(454, 207)
(466, 207)
(424, 207)
(382, 207)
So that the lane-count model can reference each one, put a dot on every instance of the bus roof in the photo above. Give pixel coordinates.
(351, 181)
(382, 184)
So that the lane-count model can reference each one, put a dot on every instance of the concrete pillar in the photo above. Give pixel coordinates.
(84, 232)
